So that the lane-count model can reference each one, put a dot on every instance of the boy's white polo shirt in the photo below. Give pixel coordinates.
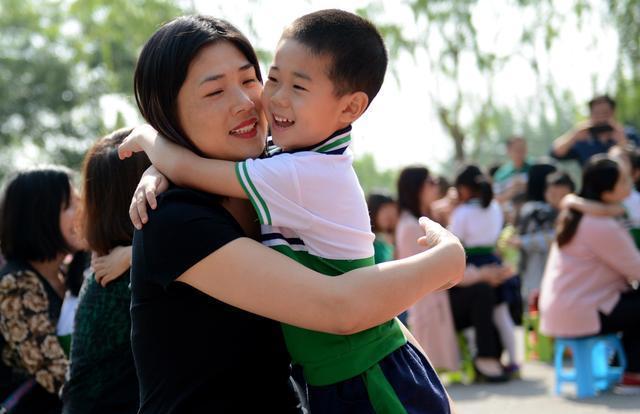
(311, 202)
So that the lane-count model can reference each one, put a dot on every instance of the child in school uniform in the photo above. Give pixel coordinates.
(328, 67)
(478, 222)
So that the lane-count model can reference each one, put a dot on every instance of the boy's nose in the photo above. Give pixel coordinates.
(279, 99)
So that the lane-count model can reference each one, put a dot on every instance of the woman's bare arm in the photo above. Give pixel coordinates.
(272, 285)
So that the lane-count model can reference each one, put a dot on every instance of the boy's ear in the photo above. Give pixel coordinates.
(354, 105)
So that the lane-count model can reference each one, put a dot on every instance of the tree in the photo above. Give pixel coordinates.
(371, 178)
(58, 59)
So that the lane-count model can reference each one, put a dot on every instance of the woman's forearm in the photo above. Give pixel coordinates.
(274, 286)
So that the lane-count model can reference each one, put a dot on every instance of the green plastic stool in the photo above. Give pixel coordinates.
(536, 346)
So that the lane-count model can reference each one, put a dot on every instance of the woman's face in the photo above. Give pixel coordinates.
(219, 106)
(69, 223)
(622, 188)
(429, 193)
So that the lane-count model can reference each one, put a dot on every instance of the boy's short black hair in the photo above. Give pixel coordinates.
(561, 178)
(359, 57)
(30, 214)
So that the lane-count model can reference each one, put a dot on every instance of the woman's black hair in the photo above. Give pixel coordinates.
(471, 176)
(410, 184)
(108, 184)
(164, 62)
(375, 203)
(30, 214)
(537, 180)
(600, 174)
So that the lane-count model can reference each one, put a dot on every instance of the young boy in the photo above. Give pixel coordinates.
(328, 67)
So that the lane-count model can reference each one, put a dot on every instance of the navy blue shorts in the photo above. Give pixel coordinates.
(403, 382)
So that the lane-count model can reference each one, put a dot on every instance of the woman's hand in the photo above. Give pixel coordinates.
(140, 139)
(109, 267)
(151, 184)
(434, 233)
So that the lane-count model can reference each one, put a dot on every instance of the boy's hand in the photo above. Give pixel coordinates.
(140, 139)
(109, 267)
(151, 184)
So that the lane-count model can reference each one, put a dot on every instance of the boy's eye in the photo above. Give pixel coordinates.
(272, 79)
(301, 88)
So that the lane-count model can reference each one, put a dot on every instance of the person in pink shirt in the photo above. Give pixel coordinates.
(587, 285)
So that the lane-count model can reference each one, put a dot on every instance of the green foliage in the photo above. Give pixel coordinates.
(372, 179)
(58, 58)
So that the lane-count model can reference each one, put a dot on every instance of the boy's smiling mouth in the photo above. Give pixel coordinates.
(282, 122)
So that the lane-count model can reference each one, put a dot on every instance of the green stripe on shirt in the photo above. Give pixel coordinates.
(258, 203)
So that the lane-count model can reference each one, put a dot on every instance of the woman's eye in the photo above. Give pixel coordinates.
(249, 81)
(214, 93)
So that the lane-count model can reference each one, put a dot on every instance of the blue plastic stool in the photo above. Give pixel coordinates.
(591, 370)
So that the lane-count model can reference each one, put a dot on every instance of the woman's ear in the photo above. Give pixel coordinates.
(353, 106)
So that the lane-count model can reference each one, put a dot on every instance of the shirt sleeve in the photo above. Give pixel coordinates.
(28, 330)
(185, 228)
(273, 186)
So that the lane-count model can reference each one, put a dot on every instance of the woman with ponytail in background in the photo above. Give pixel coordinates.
(587, 285)
(478, 221)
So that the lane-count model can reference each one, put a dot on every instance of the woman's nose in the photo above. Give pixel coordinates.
(242, 102)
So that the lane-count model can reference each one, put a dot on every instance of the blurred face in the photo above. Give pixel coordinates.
(622, 188)
(299, 98)
(219, 104)
(429, 193)
(517, 151)
(553, 194)
(69, 222)
(601, 113)
(387, 217)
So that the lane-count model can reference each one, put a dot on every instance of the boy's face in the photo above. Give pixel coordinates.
(299, 98)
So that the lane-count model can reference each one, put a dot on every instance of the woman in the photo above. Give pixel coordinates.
(37, 230)
(198, 83)
(102, 377)
(586, 288)
(430, 319)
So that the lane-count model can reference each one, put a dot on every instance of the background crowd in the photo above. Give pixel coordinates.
(541, 240)
(535, 244)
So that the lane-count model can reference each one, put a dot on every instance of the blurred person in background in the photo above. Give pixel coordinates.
(595, 135)
(510, 179)
(536, 224)
(383, 212)
(38, 229)
(102, 376)
(430, 319)
(587, 284)
(478, 221)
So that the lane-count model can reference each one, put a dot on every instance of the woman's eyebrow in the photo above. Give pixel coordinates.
(210, 78)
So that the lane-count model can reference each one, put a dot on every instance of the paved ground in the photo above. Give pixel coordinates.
(533, 394)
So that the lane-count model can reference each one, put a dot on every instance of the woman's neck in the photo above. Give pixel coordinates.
(50, 270)
(245, 215)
